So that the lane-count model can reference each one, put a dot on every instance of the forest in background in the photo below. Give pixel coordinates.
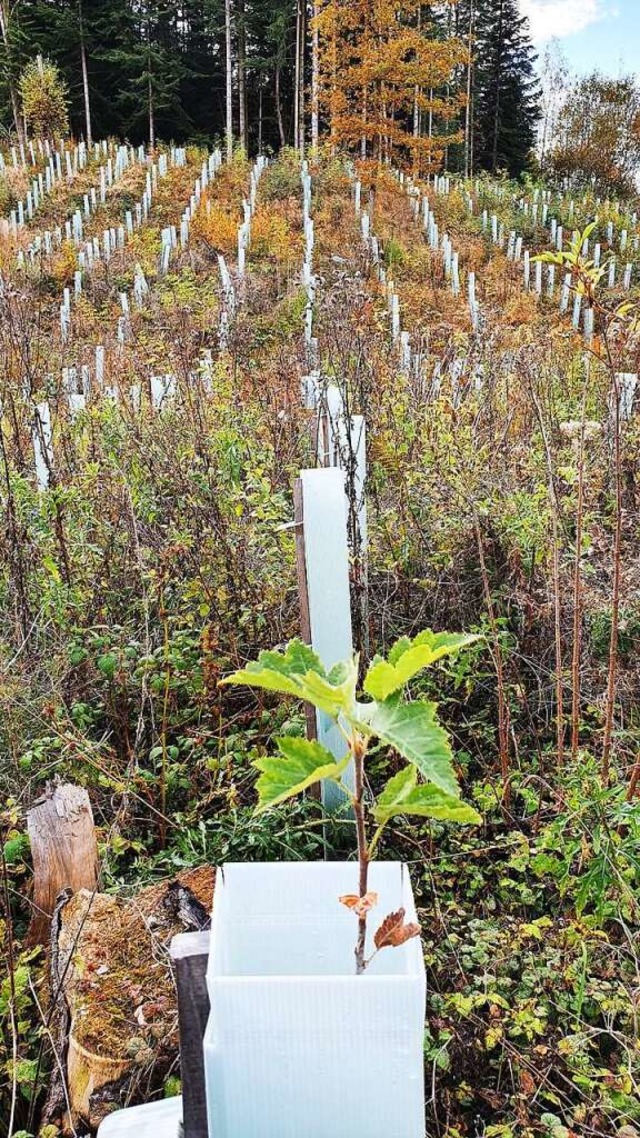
(461, 82)
(135, 68)
(126, 61)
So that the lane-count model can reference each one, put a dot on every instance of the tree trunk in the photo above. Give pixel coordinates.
(13, 96)
(64, 851)
(85, 74)
(416, 107)
(260, 100)
(301, 87)
(242, 74)
(334, 87)
(472, 131)
(468, 117)
(498, 78)
(152, 118)
(315, 80)
(430, 130)
(296, 85)
(283, 137)
(298, 95)
(229, 77)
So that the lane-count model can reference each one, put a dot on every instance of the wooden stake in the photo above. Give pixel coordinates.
(190, 953)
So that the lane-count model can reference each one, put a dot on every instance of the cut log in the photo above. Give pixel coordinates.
(64, 852)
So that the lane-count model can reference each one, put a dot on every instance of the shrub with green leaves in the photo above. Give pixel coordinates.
(44, 98)
(426, 786)
(7, 196)
(282, 178)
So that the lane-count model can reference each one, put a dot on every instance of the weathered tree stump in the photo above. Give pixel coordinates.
(64, 852)
(116, 1033)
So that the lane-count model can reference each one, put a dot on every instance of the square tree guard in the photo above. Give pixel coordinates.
(297, 1045)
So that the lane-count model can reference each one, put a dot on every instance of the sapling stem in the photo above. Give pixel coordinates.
(358, 750)
(577, 580)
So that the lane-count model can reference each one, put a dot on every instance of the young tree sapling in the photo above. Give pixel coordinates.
(426, 786)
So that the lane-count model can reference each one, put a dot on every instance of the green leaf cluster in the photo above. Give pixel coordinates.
(44, 97)
(585, 273)
(426, 787)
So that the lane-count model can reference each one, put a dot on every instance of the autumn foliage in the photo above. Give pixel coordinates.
(378, 74)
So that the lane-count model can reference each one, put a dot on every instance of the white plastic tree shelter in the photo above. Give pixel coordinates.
(326, 609)
(161, 1119)
(42, 435)
(297, 1045)
(627, 384)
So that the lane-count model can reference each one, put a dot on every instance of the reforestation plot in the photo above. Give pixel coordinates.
(319, 575)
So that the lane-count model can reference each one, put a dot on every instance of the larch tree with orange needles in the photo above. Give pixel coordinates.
(383, 78)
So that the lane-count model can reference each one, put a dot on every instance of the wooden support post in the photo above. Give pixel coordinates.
(190, 953)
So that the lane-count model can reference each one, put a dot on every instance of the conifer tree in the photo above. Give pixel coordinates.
(408, 81)
(272, 31)
(151, 68)
(505, 88)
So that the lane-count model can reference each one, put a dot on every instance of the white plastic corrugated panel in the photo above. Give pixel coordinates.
(297, 1044)
(153, 1120)
(327, 566)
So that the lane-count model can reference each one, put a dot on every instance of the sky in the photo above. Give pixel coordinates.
(591, 33)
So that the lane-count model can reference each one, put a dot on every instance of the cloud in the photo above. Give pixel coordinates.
(561, 18)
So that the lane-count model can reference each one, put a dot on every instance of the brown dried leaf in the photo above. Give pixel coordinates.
(393, 932)
(360, 905)
(527, 1084)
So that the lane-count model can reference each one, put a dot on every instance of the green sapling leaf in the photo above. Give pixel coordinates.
(413, 730)
(409, 657)
(301, 764)
(298, 671)
(403, 795)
